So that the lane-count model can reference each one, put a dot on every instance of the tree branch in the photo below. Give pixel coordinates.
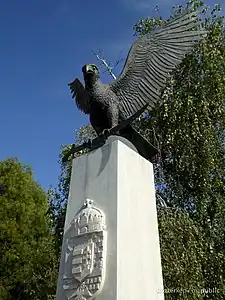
(107, 65)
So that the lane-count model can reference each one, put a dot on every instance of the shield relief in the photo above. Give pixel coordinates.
(86, 254)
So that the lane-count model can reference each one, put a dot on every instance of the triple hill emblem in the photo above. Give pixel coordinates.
(86, 254)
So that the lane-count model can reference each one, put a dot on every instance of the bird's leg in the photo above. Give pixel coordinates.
(89, 143)
(113, 115)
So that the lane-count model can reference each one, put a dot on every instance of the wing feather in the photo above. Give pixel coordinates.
(80, 95)
(152, 58)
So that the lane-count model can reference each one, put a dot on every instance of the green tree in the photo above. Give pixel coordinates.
(188, 129)
(28, 266)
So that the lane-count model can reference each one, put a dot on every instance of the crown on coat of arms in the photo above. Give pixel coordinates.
(89, 219)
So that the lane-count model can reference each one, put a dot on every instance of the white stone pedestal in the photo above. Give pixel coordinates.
(121, 184)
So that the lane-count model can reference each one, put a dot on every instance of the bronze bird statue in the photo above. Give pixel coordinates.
(149, 62)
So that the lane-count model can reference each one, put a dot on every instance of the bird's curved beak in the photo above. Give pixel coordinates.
(88, 69)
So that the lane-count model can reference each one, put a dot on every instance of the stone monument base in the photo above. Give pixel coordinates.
(111, 228)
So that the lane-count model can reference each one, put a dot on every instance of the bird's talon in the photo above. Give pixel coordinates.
(106, 133)
(89, 143)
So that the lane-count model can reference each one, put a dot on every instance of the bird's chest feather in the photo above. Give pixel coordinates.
(99, 115)
(99, 94)
(102, 104)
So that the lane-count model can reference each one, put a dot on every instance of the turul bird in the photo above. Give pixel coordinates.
(150, 60)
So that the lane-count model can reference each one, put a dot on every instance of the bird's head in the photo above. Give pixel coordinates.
(90, 73)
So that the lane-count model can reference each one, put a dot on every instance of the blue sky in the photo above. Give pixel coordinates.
(44, 44)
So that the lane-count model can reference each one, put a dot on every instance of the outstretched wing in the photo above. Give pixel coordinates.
(150, 60)
(80, 95)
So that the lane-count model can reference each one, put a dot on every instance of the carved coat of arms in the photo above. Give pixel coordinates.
(86, 254)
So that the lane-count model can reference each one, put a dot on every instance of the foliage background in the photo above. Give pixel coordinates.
(28, 261)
